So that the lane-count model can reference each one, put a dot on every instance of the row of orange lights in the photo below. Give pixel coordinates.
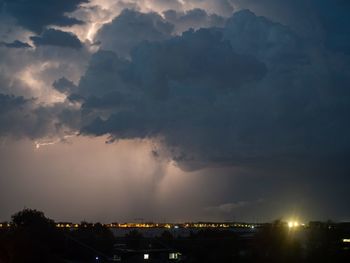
(156, 225)
(150, 225)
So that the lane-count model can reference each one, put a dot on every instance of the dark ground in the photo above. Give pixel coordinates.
(34, 238)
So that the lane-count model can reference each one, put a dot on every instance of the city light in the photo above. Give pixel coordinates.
(164, 225)
(293, 224)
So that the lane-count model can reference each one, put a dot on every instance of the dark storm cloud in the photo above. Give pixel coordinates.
(335, 20)
(176, 89)
(20, 117)
(64, 85)
(222, 7)
(14, 115)
(253, 91)
(15, 44)
(199, 59)
(104, 71)
(35, 15)
(258, 95)
(8, 103)
(117, 36)
(270, 42)
(326, 21)
(54, 37)
(195, 18)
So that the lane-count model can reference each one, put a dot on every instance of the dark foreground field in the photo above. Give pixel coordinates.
(31, 237)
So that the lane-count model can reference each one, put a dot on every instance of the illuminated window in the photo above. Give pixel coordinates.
(173, 255)
(145, 256)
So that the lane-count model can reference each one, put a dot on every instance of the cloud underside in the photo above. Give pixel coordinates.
(53, 37)
(35, 15)
(247, 93)
(20, 116)
(236, 90)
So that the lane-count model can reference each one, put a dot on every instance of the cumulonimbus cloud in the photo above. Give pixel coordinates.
(245, 93)
(243, 90)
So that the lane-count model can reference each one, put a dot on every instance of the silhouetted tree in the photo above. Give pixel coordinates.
(33, 238)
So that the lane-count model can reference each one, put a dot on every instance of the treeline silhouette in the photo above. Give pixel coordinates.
(32, 237)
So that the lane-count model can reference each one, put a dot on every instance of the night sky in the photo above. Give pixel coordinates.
(175, 110)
